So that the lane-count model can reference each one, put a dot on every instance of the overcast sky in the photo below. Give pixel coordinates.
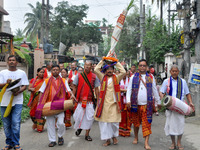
(98, 9)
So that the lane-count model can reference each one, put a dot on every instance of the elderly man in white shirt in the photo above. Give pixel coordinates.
(174, 121)
(140, 90)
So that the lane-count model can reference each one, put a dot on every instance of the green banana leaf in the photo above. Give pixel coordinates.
(19, 53)
(130, 5)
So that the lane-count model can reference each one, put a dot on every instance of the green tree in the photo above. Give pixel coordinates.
(19, 32)
(157, 41)
(104, 21)
(67, 26)
(33, 20)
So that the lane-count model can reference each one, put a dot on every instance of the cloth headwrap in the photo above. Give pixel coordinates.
(105, 67)
(134, 96)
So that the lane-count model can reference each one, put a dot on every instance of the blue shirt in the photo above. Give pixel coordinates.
(185, 89)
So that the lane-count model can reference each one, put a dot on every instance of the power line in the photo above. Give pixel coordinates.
(105, 8)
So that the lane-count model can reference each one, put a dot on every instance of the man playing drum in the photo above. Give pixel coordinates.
(176, 87)
(55, 90)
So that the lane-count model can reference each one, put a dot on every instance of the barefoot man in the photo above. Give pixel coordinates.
(139, 97)
(108, 111)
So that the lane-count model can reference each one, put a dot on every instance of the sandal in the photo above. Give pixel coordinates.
(172, 147)
(52, 144)
(88, 138)
(60, 141)
(17, 147)
(180, 148)
(7, 147)
(78, 132)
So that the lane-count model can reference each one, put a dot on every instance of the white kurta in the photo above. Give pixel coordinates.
(175, 122)
(110, 118)
(142, 93)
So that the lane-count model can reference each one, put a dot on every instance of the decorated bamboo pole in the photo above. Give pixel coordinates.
(111, 56)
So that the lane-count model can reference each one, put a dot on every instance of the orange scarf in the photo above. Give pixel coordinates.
(54, 93)
(36, 83)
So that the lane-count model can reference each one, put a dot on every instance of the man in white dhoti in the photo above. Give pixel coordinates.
(84, 83)
(176, 87)
(108, 111)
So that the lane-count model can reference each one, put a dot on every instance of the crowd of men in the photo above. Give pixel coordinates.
(109, 93)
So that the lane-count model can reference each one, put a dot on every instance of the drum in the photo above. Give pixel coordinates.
(68, 104)
(177, 105)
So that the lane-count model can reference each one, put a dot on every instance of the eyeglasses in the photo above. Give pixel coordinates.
(142, 65)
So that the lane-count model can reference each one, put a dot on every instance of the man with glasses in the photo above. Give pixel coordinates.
(140, 91)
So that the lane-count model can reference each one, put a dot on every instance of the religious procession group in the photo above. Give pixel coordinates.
(116, 99)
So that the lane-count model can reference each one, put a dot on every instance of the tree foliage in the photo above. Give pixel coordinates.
(157, 41)
(67, 26)
(33, 20)
(19, 33)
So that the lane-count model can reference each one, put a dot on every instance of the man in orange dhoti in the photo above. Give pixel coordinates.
(139, 97)
(54, 90)
(84, 83)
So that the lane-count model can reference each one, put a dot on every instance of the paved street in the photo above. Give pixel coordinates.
(31, 140)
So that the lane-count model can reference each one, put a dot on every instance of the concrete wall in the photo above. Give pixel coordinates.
(24, 67)
(38, 60)
(170, 58)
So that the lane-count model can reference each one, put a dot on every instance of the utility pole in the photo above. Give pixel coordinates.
(140, 52)
(186, 28)
(195, 92)
(169, 17)
(42, 26)
(47, 20)
(197, 41)
(142, 30)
